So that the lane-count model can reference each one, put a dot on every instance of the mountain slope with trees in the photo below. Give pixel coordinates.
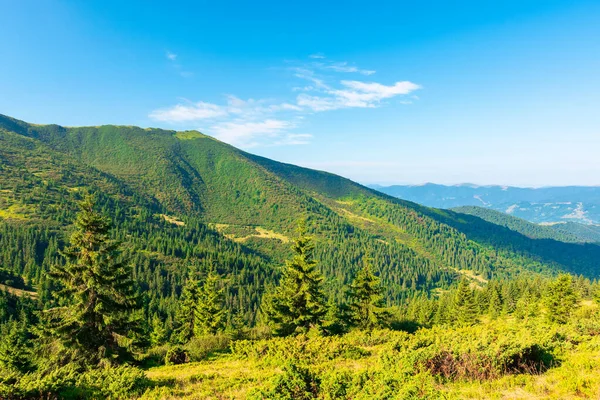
(125, 246)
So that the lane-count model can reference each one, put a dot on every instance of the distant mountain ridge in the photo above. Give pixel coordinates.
(540, 205)
(571, 232)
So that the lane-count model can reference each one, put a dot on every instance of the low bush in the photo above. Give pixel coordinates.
(176, 355)
(70, 382)
(202, 346)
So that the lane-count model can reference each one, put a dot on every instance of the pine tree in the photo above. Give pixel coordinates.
(210, 314)
(443, 314)
(298, 302)
(366, 299)
(158, 336)
(560, 299)
(97, 317)
(14, 353)
(185, 318)
(464, 303)
(495, 302)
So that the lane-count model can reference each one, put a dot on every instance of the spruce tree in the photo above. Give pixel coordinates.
(464, 303)
(158, 336)
(185, 318)
(560, 299)
(366, 299)
(97, 316)
(210, 314)
(298, 302)
(495, 302)
(14, 353)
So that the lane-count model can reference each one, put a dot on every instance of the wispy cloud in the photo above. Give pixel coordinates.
(188, 112)
(271, 122)
(172, 57)
(344, 67)
(355, 94)
(251, 134)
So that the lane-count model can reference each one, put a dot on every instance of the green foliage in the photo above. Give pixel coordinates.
(158, 336)
(95, 313)
(176, 355)
(366, 300)
(210, 315)
(181, 200)
(464, 304)
(560, 299)
(15, 353)
(186, 312)
(70, 382)
(296, 383)
(298, 303)
(201, 347)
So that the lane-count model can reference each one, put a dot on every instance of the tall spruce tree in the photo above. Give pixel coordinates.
(210, 314)
(298, 302)
(464, 304)
(98, 308)
(366, 299)
(185, 318)
(560, 299)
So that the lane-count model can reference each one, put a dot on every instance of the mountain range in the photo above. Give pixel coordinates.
(579, 204)
(182, 198)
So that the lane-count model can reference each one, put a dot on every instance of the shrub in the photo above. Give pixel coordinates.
(201, 346)
(70, 382)
(296, 383)
(176, 355)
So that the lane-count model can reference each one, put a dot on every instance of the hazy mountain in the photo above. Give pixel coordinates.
(549, 204)
(572, 232)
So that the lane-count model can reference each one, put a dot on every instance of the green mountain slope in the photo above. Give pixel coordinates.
(183, 198)
(527, 228)
(585, 233)
(571, 232)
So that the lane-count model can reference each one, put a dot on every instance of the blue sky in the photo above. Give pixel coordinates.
(487, 92)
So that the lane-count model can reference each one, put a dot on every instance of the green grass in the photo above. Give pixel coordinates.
(387, 364)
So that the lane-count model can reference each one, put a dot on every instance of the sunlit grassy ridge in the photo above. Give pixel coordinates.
(498, 359)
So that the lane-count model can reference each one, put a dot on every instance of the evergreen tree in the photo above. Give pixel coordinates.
(158, 336)
(185, 319)
(560, 299)
(14, 353)
(464, 303)
(97, 315)
(366, 299)
(336, 319)
(210, 314)
(443, 313)
(495, 302)
(298, 302)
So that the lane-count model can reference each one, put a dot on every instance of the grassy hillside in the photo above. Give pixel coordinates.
(241, 209)
(182, 202)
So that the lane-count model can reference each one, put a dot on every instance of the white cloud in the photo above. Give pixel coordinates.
(355, 94)
(344, 67)
(270, 122)
(294, 139)
(317, 56)
(249, 134)
(186, 113)
(317, 103)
